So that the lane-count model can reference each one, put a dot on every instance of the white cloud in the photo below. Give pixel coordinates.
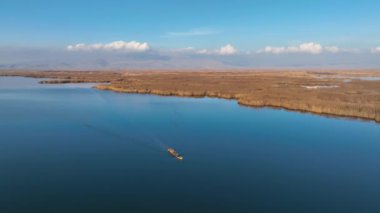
(77, 47)
(311, 48)
(52, 59)
(131, 46)
(375, 50)
(332, 49)
(274, 50)
(226, 50)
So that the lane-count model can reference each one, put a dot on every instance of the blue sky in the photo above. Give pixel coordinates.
(247, 25)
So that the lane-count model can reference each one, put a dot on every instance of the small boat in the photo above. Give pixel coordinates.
(175, 154)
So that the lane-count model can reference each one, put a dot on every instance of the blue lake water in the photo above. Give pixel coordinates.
(70, 148)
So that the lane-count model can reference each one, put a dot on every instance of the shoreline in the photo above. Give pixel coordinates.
(238, 101)
(325, 93)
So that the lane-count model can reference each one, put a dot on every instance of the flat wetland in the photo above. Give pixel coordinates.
(337, 93)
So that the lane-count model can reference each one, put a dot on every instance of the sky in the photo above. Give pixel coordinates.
(190, 34)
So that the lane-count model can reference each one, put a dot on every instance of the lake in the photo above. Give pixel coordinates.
(71, 148)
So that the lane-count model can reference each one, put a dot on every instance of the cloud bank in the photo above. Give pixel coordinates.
(332, 49)
(376, 50)
(225, 57)
(140, 55)
(227, 50)
(309, 48)
(224, 50)
(131, 46)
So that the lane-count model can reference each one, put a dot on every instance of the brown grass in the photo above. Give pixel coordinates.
(351, 97)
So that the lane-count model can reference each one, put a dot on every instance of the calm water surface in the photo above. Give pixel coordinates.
(70, 148)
